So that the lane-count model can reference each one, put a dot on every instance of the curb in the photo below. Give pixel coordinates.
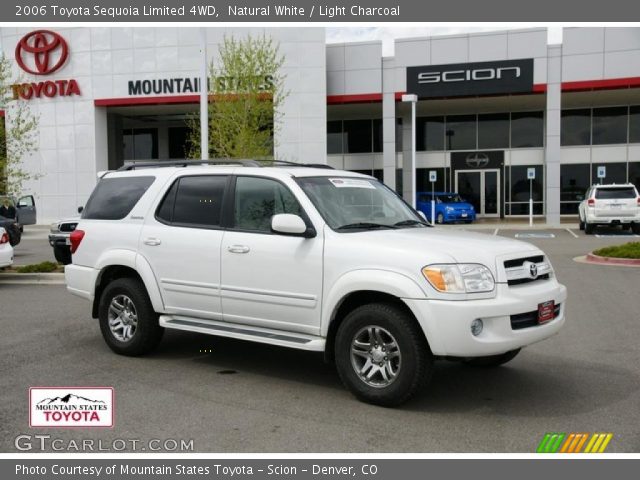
(31, 277)
(592, 258)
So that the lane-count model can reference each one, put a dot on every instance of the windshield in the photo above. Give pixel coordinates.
(348, 203)
(450, 198)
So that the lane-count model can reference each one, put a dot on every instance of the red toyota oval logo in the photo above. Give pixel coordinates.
(41, 52)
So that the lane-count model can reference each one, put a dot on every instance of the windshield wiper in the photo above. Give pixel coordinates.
(353, 226)
(406, 223)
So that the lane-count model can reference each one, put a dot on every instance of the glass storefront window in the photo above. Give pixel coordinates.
(527, 129)
(575, 180)
(377, 135)
(460, 132)
(616, 173)
(334, 137)
(575, 128)
(358, 136)
(634, 124)
(140, 143)
(609, 125)
(422, 180)
(429, 133)
(634, 174)
(493, 130)
(520, 184)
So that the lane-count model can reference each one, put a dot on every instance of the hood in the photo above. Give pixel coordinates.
(424, 246)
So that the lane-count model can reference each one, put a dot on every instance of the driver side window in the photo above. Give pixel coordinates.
(257, 200)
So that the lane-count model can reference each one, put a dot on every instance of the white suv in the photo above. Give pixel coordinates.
(612, 204)
(308, 258)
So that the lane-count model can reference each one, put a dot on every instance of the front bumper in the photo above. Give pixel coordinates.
(456, 216)
(447, 324)
(6, 256)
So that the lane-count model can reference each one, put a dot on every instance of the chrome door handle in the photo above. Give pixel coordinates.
(153, 242)
(238, 249)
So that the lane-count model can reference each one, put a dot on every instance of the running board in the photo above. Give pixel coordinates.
(300, 341)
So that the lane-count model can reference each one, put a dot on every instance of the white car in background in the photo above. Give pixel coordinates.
(6, 250)
(614, 204)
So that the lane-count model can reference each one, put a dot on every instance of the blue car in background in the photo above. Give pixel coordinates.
(450, 207)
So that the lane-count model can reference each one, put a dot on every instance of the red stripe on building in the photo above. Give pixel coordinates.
(130, 101)
(608, 84)
(357, 98)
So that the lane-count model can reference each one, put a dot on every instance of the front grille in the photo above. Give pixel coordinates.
(520, 281)
(517, 262)
(68, 227)
(530, 319)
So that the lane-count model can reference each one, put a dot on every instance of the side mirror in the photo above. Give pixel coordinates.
(80, 209)
(291, 225)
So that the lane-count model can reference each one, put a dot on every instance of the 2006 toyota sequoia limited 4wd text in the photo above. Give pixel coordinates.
(309, 258)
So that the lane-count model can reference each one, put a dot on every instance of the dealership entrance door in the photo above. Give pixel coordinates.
(481, 189)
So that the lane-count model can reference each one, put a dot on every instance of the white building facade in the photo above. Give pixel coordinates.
(492, 106)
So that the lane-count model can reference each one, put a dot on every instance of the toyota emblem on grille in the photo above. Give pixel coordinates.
(477, 160)
(532, 268)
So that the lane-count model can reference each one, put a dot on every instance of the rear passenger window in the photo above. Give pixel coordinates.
(194, 201)
(114, 198)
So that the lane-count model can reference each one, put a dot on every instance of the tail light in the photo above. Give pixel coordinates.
(75, 238)
(591, 202)
(638, 199)
(4, 238)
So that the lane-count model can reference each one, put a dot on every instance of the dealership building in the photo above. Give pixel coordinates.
(499, 116)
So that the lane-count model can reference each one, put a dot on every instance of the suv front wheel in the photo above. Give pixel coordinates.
(128, 322)
(381, 354)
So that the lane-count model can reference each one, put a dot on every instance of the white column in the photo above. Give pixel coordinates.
(388, 124)
(552, 134)
(204, 97)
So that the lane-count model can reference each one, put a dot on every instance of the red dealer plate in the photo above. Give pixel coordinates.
(546, 311)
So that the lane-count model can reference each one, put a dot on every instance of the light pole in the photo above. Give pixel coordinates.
(413, 99)
(204, 98)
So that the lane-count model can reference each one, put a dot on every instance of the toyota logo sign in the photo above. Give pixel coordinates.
(41, 52)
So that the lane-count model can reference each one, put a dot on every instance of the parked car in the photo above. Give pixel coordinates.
(449, 207)
(24, 207)
(13, 230)
(308, 258)
(6, 250)
(59, 239)
(612, 204)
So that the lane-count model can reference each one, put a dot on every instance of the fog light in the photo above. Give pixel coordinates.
(476, 327)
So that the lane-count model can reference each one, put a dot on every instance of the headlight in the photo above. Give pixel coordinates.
(459, 278)
(54, 227)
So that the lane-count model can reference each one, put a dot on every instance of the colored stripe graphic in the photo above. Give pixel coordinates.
(555, 442)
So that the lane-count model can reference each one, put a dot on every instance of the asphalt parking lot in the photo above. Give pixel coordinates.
(245, 397)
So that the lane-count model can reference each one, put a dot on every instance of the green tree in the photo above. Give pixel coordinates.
(246, 92)
(18, 135)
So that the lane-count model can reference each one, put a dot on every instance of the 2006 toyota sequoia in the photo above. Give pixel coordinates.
(308, 258)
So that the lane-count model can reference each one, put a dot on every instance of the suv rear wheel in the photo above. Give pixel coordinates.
(589, 228)
(128, 322)
(381, 355)
(635, 228)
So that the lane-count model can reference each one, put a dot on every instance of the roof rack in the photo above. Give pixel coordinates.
(220, 161)
(187, 163)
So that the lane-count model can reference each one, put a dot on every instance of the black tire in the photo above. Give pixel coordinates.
(440, 218)
(148, 332)
(581, 225)
(625, 226)
(635, 228)
(493, 360)
(415, 359)
(62, 254)
(589, 228)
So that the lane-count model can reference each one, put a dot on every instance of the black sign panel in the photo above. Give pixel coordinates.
(470, 79)
(477, 160)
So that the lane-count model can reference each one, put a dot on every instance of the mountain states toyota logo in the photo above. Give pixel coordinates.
(65, 407)
(41, 52)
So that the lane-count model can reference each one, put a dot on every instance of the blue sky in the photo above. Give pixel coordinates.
(388, 34)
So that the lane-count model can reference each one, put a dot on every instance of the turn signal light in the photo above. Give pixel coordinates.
(4, 239)
(75, 238)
